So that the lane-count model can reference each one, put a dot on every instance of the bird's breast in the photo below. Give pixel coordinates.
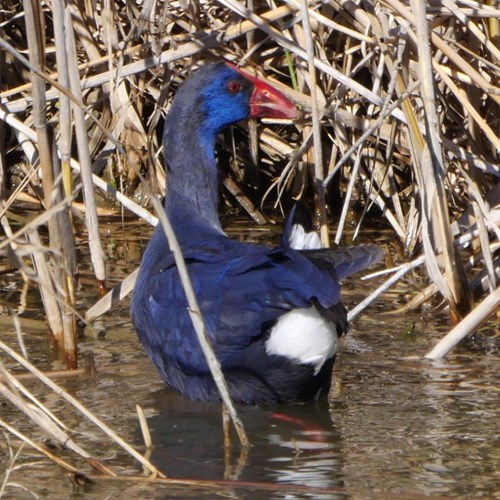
(303, 336)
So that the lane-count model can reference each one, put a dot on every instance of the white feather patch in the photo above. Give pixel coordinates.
(300, 240)
(304, 336)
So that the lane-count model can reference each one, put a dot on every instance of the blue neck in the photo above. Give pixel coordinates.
(192, 180)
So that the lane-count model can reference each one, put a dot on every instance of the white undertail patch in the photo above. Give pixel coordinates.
(304, 336)
(301, 240)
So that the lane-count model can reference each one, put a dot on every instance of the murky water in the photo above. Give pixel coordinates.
(395, 426)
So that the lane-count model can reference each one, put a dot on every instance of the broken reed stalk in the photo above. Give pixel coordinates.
(14, 391)
(378, 42)
(261, 23)
(39, 447)
(36, 48)
(11, 466)
(196, 317)
(107, 188)
(316, 125)
(489, 306)
(357, 147)
(186, 50)
(96, 251)
(199, 324)
(398, 274)
(436, 231)
(61, 162)
(34, 27)
(80, 408)
(59, 282)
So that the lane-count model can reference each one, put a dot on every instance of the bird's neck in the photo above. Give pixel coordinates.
(192, 181)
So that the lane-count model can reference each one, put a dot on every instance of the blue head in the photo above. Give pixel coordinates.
(226, 97)
(219, 94)
(214, 97)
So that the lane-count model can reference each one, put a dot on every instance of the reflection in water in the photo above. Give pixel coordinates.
(398, 427)
(463, 418)
(290, 444)
(411, 427)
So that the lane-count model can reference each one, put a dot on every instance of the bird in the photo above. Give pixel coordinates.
(273, 314)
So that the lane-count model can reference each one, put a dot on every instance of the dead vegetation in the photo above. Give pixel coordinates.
(401, 120)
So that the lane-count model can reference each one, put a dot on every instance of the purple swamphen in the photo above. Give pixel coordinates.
(273, 314)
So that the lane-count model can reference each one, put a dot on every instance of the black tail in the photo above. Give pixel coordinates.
(347, 260)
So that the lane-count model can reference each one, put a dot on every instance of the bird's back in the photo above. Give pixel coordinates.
(243, 291)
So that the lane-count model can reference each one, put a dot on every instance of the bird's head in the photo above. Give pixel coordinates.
(221, 94)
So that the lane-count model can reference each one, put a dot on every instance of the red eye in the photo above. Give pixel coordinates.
(234, 86)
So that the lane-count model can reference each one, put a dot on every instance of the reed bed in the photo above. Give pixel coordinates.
(401, 125)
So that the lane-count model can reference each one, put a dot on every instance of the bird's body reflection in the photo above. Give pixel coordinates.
(292, 444)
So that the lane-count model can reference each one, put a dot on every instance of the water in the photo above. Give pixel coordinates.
(395, 426)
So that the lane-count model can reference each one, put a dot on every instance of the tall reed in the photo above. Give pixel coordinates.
(403, 99)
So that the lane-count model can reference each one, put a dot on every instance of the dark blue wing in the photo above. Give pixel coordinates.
(240, 287)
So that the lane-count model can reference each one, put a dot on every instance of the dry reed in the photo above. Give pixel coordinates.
(403, 99)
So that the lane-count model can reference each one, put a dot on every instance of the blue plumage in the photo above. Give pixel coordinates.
(243, 289)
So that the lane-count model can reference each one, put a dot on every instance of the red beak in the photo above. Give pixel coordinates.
(266, 101)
